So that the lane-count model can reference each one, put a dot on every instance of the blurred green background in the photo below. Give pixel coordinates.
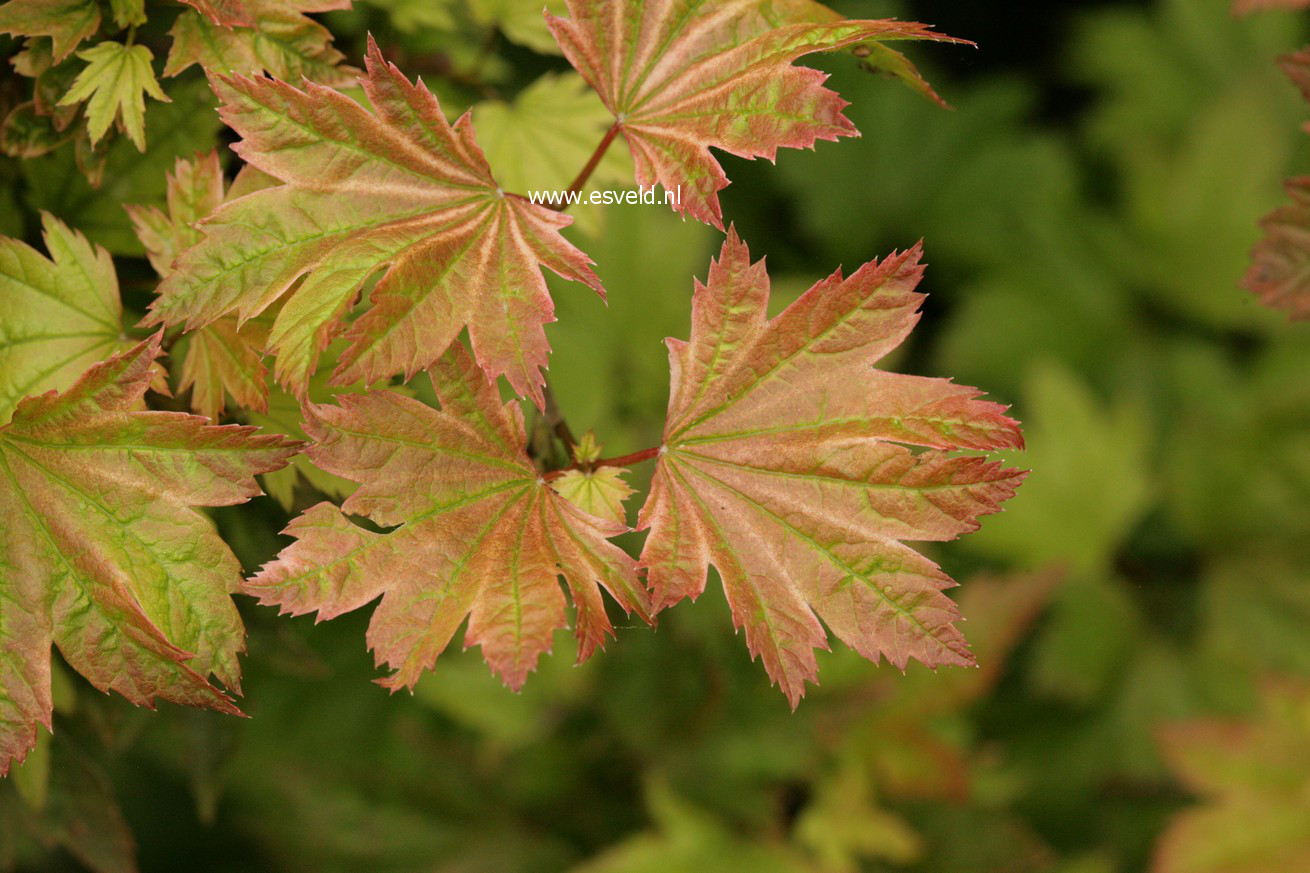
(1088, 209)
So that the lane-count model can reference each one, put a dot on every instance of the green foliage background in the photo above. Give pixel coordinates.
(1087, 210)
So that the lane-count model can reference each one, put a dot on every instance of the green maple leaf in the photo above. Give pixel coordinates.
(103, 554)
(398, 192)
(786, 465)
(682, 78)
(128, 13)
(66, 22)
(520, 21)
(114, 83)
(60, 315)
(599, 492)
(478, 534)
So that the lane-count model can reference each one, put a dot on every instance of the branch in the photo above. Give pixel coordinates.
(555, 418)
(620, 461)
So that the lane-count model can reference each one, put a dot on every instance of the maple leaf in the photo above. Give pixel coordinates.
(66, 22)
(1253, 778)
(1280, 262)
(1280, 268)
(103, 554)
(223, 357)
(272, 36)
(598, 491)
(114, 83)
(229, 13)
(397, 191)
(479, 533)
(682, 78)
(785, 465)
(128, 13)
(1296, 66)
(1244, 7)
(60, 315)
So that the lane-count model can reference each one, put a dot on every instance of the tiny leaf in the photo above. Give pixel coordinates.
(598, 492)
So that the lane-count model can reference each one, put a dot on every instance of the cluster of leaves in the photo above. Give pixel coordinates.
(77, 96)
(1165, 412)
(785, 462)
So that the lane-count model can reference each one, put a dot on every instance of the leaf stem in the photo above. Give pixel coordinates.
(581, 180)
(620, 461)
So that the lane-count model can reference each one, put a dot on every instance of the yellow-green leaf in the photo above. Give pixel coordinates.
(598, 492)
(57, 316)
(114, 84)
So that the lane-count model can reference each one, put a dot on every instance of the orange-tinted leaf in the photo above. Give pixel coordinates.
(681, 78)
(1296, 66)
(1280, 268)
(479, 533)
(66, 22)
(397, 191)
(222, 358)
(1242, 7)
(1253, 778)
(230, 13)
(274, 37)
(61, 314)
(103, 554)
(1280, 263)
(785, 465)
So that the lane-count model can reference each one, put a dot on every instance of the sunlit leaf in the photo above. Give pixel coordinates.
(478, 534)
(66, 22)
(397, 191)
(103, 554)
(222, 358)
(680, 79)
(274, 36)
(785, 465)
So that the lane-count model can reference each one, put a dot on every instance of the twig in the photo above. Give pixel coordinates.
(620, 461)
(555, 418)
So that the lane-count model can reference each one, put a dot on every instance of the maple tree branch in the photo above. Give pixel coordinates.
(555, 418)
(585, 174)
(620, 461)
